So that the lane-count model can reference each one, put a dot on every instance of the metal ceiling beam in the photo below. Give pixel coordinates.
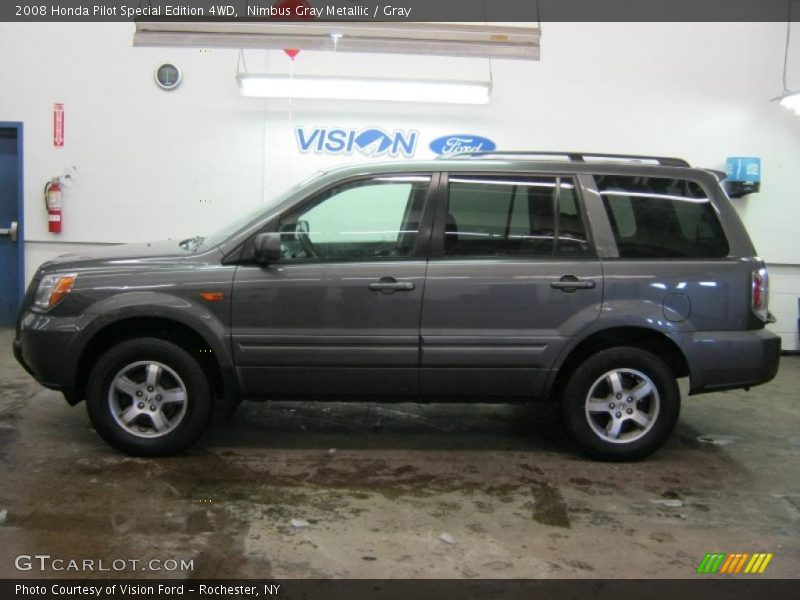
(439, 39)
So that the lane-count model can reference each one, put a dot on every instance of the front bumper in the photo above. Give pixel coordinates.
(724, 360)
(46, 348)
(17, 346)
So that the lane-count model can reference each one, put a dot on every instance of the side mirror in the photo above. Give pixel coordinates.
(267, 248)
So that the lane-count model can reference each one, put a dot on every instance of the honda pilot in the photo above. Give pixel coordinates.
(592, 281)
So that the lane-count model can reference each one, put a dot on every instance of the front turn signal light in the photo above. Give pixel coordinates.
(53, 288)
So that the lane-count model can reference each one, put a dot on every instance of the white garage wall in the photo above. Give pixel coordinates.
(154, 164)
(151, 164)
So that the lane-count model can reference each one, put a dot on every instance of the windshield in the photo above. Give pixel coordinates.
(224, 233)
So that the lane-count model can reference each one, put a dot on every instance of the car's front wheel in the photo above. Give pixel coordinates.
(621, 404)
(148, 397)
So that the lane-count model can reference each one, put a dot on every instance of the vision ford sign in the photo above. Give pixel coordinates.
(453, 144)
(369, 141)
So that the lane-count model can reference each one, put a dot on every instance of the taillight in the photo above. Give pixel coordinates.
(760, 297)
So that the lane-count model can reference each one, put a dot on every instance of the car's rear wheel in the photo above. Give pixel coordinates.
(621, 404)
(148, 397)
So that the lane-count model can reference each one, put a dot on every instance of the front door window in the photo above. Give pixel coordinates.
(362, 220)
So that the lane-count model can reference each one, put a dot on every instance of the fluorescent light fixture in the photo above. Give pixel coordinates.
(352, 88)
(792, 102)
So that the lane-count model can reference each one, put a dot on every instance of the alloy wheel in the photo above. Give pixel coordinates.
(622, 406)
(147, 399)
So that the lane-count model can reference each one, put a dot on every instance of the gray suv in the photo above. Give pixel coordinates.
(596, 281)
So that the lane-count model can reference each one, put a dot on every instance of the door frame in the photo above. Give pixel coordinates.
(482, 380)
(371, 377)
(20, 208)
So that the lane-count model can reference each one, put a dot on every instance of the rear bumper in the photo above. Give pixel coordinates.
(724, 360)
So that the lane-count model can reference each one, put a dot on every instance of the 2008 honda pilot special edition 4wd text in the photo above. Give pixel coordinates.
(596, 281)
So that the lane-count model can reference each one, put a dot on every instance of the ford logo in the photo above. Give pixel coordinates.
(448, 145)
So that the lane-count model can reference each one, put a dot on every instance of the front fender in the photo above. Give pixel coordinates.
(199, 317)
(207, 320)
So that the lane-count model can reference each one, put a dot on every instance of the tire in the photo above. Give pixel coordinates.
(621, 404)
(148, 397)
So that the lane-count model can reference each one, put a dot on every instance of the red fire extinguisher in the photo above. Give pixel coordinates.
(52, 200)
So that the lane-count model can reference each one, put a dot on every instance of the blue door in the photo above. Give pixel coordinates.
(11, 253)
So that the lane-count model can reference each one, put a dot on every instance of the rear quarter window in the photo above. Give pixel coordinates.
(655, 217)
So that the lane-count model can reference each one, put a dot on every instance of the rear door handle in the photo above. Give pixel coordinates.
(389, 285)
(570, 283)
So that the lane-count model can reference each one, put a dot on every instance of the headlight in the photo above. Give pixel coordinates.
(53, 288)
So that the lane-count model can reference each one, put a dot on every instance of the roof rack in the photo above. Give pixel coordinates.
(575, 156)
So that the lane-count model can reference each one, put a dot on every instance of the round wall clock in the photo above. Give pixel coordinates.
(168, 76)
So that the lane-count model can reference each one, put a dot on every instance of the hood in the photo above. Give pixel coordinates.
(142, 254)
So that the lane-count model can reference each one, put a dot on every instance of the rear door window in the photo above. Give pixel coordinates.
(654, 217)
(513, 216)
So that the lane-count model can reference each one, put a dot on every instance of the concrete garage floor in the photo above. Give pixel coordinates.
(501, 480)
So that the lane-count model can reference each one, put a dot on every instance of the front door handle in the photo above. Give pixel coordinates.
(11, 231)
(570, 283)
(389, 285)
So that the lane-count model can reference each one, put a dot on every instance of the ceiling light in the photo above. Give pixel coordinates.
(788, 98)
(791, 101)
(351, 88)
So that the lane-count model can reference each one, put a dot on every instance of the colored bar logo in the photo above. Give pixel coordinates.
(735, 563)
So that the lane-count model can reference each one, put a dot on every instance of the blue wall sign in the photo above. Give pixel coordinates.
(448, 145)
(744, 176)
(744, 168)
(369, 141)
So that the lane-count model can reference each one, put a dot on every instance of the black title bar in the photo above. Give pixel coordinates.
(476, 11)
(701, 588)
